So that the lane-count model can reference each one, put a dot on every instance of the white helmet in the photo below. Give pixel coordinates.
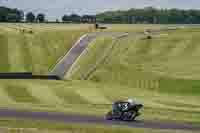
(130, 100)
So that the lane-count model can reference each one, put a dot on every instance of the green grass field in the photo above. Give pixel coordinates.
(152, 71)
(37, 52)
(132, 27)
(27, 126)
(84, 97)
(162, 73)
(148, 64)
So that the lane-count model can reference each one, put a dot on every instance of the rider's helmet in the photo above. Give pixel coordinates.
(131, 101)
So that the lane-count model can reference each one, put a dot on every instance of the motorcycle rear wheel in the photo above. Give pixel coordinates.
(134, 115)
(129, 116)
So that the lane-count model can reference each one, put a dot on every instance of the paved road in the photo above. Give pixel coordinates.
(64, 65)
(66, 118)
(66, 62)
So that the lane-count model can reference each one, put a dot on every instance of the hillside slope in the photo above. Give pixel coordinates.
(168, 62)
(37, 52)
(152, 71)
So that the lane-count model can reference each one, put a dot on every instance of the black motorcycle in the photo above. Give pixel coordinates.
(124, 111)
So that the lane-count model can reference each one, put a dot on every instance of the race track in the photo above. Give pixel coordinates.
(64, 65)
(60, 69)
(81, 119)
(66, 62)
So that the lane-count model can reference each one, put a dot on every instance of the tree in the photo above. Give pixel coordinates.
(88, 19)
(10, 15)
(30, 17)
(40, 18)
(151, 15)
(75, 18)
(66, 18)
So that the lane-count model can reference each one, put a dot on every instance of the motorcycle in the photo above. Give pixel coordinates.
(124, 111)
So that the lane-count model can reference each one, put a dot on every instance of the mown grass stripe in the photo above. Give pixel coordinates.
(44, 94)
(27, 57)
(69, 96)
(4, 97)
(19, 93)
(15, 54)
(4, 60)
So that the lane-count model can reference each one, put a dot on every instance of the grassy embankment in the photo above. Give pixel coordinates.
(37, 51)
(163, 73)
(25, 126)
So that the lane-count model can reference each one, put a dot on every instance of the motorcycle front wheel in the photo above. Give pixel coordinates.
(109, 116)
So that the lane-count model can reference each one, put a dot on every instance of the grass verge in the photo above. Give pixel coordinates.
(28, 126)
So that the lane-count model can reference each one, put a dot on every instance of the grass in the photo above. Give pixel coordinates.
(150, 64)
(22, 94)
(149, 70)
(37, 52)
(28, 126)
(89, 98)
(131, 27)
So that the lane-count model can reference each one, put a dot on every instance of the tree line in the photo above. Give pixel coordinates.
(10, 15)
(148, 15)
(16, 15)
(151, 15)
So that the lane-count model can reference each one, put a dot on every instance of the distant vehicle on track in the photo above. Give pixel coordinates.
(147, 31)
(98, 26)
(124, 110)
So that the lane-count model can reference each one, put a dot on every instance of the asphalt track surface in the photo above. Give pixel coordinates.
(80, 119)
(66, 62)
(64, 65)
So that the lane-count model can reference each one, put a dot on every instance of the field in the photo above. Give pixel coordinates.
(133, 27)
(52, 127)
(38, 47)
(80, 97)
(162, 73)
(149, 70)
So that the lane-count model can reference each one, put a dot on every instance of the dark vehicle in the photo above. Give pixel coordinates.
(98, 26)
(123, 110)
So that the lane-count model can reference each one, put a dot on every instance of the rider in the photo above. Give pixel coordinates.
(117, 108)
(130, 102)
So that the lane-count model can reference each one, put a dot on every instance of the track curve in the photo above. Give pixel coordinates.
(64, 65)
(66, 62)
(69, 118)
(60, 69)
